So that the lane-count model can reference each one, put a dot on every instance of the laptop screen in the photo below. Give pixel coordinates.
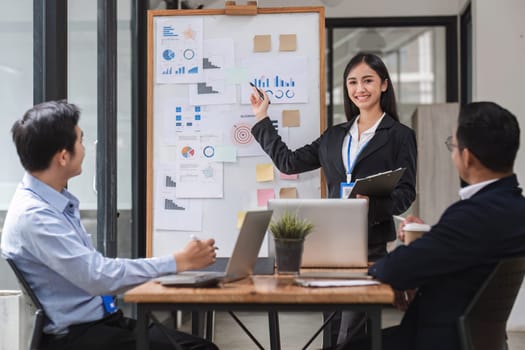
(248, 244)
(340, 234)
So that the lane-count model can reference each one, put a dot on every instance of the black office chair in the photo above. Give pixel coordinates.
(483, 325)
(38, 324)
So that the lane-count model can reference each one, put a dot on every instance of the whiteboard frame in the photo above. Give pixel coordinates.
(150, 157)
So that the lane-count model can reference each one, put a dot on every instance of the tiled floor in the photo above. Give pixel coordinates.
(296, 329)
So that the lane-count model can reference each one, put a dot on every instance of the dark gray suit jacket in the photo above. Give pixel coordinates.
(393, 146)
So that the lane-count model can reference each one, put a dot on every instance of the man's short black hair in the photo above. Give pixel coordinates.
(44, 130)
(491, 133)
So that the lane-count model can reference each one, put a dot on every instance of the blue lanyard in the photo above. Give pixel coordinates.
(350, 165)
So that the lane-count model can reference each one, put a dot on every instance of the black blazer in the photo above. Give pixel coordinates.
(393, 146)
(450, 263)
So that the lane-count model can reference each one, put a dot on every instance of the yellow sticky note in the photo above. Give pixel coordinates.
(291, 118)
(240, 218)
(263, 195)
(262, 43)
(287, 42)
(264, 172)
(288, 192)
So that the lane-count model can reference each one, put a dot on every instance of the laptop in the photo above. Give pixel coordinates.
(340, 234)
(241, 263)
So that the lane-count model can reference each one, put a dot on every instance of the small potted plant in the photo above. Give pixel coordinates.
(289, 232)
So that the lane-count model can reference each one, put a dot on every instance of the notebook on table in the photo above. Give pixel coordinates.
(340, 234)
(241, 263)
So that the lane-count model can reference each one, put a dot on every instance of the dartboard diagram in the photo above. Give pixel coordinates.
(241, 134)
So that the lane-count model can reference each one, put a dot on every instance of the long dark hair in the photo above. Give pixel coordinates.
(388, 98)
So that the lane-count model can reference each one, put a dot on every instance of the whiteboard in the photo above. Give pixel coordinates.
(185, 118)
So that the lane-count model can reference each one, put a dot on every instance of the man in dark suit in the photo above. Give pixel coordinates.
(448, 264)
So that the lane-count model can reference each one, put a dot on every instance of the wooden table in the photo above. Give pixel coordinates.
(260, 293)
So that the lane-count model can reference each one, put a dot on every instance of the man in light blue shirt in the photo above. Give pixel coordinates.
(45, 238)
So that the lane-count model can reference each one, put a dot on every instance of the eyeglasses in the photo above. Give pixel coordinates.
(450, 145)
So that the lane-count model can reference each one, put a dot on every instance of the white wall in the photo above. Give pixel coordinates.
(499, 75)
(499, 59)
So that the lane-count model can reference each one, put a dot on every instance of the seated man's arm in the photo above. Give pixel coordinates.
(452, 245)
(55, 243)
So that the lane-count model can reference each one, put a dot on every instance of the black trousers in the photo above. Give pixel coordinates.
(117, 332)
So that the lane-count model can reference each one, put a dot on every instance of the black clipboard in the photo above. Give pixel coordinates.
(381, 184)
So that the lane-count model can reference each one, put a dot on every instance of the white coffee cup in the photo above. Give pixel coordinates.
(414, 230)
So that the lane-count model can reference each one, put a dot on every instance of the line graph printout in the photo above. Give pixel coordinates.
(286, 82)
(178, 56)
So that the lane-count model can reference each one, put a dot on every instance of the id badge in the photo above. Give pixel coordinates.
(109, 304)
(346, 188)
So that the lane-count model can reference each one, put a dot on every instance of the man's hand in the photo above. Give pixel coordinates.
(409, 219)
(403, 298)
(360, 196)
(195, 255)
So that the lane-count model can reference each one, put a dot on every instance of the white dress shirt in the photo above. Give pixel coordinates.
(468, 191)
(358, 143)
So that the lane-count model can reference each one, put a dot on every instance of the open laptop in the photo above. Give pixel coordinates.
(242, 261)
(340, 234)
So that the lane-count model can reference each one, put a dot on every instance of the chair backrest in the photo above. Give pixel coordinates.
(483, 324)
(38, 325)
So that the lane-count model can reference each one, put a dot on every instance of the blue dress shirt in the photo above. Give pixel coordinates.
(44, 236)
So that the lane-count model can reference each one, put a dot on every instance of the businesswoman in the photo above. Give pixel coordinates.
(372, 140)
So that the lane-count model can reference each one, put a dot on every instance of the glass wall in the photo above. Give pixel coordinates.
(16, 96)
(82, 85)
(414, 56)
(16, 87)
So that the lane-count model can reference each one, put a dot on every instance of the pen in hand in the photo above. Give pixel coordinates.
(195, 238)
(261, 95)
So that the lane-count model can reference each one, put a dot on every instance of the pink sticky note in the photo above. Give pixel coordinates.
(289, 177)
(263, 195)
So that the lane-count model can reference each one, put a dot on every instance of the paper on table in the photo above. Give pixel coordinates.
(333, 282)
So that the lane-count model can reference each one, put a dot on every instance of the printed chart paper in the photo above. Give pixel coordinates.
(178, 56)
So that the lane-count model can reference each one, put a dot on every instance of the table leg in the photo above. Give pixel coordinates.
(375, 325)
(141, 329)
(275, 338)
(210, 323)
(197, 323)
